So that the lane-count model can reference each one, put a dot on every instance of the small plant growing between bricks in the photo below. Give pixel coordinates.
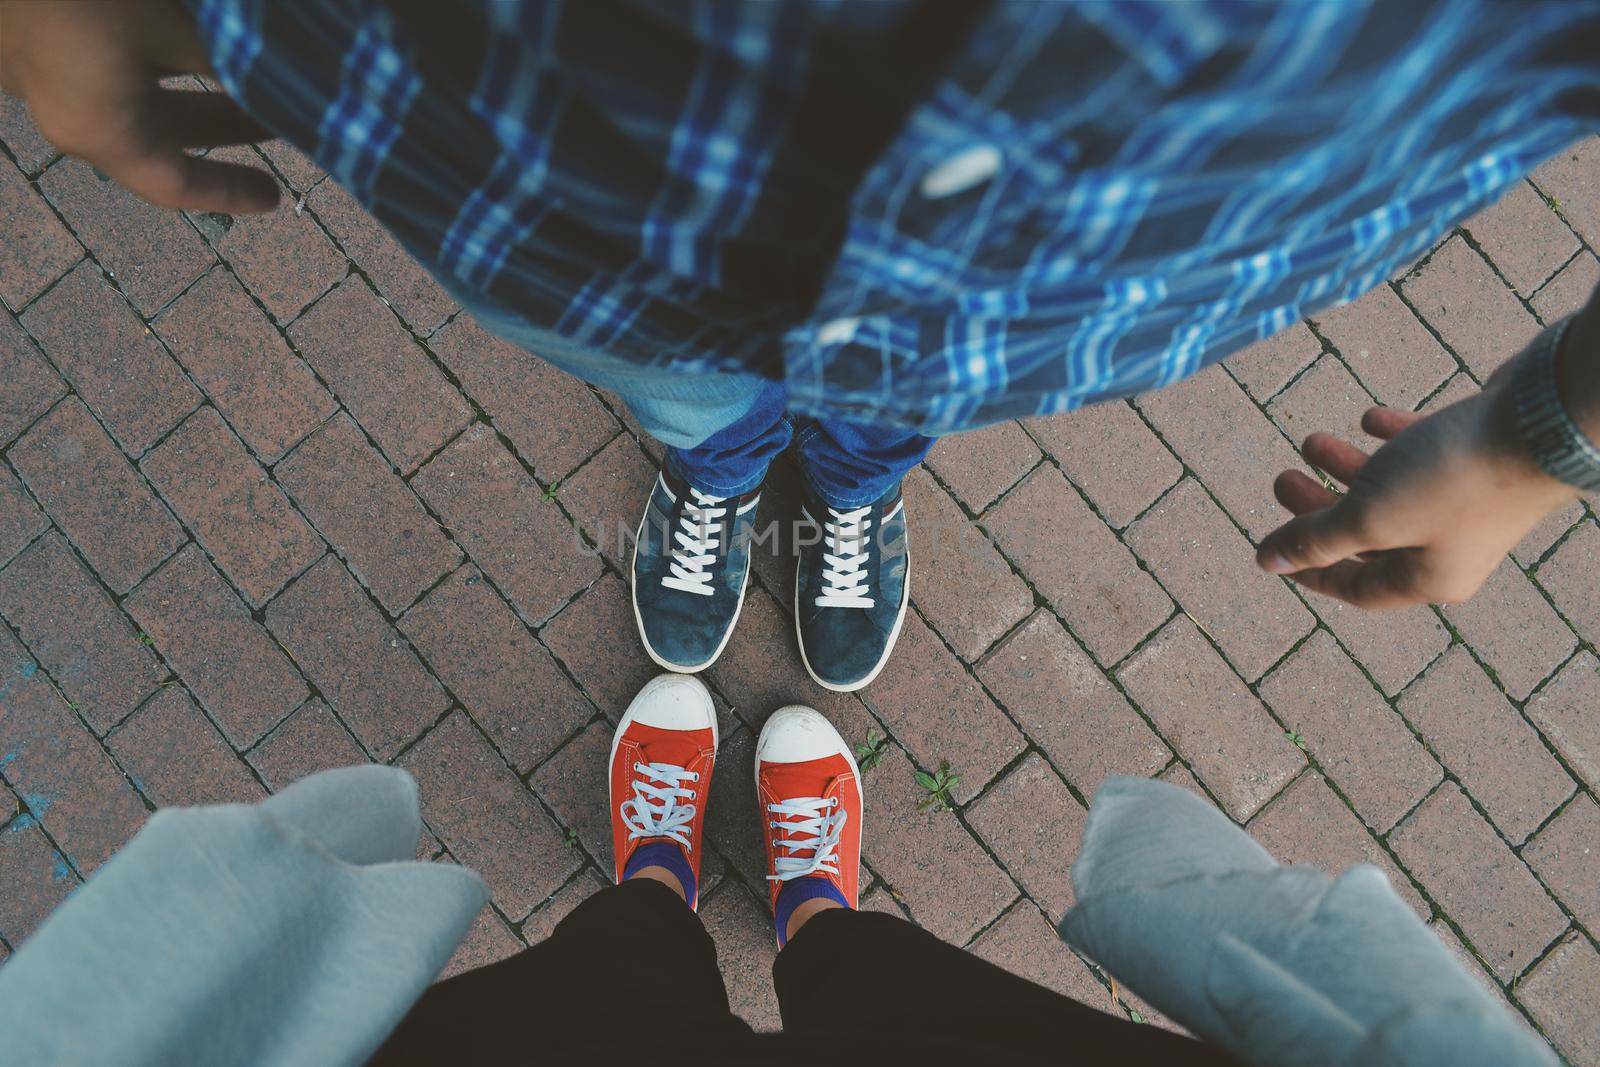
(870, 752)
(1296, 740)
(550, 494)
(938, 786)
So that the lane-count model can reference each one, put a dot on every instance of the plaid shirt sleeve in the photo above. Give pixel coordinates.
(1070, 203)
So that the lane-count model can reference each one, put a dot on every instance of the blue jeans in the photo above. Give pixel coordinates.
(722, 431)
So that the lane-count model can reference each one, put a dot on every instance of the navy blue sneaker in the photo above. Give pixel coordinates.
(851, 588)
(691, 562)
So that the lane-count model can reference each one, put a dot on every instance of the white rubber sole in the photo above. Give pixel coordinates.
(894, 635)
(638, 620)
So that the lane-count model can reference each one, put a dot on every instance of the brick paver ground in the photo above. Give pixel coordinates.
(270, 503)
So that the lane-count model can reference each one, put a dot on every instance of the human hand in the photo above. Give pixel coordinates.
(1427, 517)
(90, 72)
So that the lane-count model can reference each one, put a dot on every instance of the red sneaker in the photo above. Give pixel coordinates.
(661, 761)
(809, 789)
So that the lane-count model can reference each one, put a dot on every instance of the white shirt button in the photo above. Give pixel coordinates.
(967, 168)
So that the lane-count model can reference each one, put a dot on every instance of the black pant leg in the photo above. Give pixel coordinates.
(629, 953)
(872, 974)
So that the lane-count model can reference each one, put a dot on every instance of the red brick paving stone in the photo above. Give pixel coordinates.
(606, 496)
(1394, 646)
(734, 819)
(1308, 824)
(1088, 576)
(1267, 366)
(300, 171)
(1475, 967)
(489, 940)
(918, 852)
(111, 358)
(1051, 687)
(1513, 629)
(77, 633)
(28, 384)
(1478, 881)
(21, 136)
(1565, 710)
(401, 280)
(1392, 353)
(94, 495)
(760, 671)
(1326, 398)
(880, 901)
(1351, 732)
(1569, 290)
(1025, 943)
(244, 521)
(375, 522)
(1111, 455)
(487, 819)
(1462, 298)
(382, 375)
(38, 249)
(1559, 993)
(1523, 237)
(551, 418)
(282, 257)
(1566, 854)
(981, 464)
(177, 758)
(224, 656)
(1210, 567)
(508, 682)
(954, 560)
(308, 741)
(542, 923)
(1549, 530)
(230, 347)
(56, 765)
(1569, 577)
(1572, 178)
(36, 878)
(1208, 715)
(1481, 738)
(939, 711)
(20, 518)
(598, 640)
(499, 515)
(742, 930)
(573, 783)
(369, 676)
(1031, 821)
(1228, 442)
(152, 253)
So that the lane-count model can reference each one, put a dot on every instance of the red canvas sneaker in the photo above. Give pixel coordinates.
(661, 761)
(809, 789)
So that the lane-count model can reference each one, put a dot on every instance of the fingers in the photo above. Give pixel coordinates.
(1385, 423)
(1301, 493)
(200, 120)
(1388, 580)
(169, 178)
(1315, 539)
(1335, 455)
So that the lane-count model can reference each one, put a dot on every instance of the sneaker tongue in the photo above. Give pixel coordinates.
(677, 747)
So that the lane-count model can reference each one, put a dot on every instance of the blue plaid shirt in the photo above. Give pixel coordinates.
(932, 214)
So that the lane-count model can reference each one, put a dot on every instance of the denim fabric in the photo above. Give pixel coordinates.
(846, 464)
(722, 430)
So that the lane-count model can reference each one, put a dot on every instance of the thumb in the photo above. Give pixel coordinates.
(1315, 539)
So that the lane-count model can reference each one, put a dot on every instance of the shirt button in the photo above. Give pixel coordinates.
(962, 171)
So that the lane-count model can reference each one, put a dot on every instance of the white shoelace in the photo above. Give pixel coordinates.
(695, 543)
(656, 809)
(820, 817)
(844, 578)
